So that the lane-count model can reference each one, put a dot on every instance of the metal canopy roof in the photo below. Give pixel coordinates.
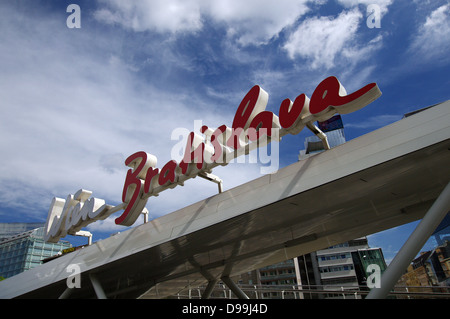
(386, 178)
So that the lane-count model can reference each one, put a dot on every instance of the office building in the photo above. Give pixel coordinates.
(11, 229)
(333, 129)
(280, 274)
(345, 266)
(340, 267)
(25, 250)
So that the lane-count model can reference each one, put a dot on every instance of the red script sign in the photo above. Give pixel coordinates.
(250, 124)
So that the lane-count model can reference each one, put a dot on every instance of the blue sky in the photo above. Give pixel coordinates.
(75, 102)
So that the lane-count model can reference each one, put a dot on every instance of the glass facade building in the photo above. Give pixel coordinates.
(11, 229)
(26, 250)
(334, 130)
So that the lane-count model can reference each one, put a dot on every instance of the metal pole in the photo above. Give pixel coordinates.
(412, 247)
(319, 134)
(237, 291)
(145, 213)
(209, 289)
(97, 287)
(66, 294)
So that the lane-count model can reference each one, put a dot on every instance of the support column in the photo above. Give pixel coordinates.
(66, 294)
(234, 288)
(97, 287)
(209, 289)
(412, 247)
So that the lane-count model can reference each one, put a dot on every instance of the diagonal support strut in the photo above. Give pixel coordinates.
(412, 247)
(234, 288)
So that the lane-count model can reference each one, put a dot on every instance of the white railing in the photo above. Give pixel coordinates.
(314, 292)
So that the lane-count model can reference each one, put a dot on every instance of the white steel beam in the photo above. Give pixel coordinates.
(412, 247)
(97, 287)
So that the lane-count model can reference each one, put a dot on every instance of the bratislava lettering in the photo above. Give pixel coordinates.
(252, 127)
(250, 124)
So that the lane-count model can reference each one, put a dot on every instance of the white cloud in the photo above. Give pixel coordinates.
(256, 21)
(251, 22)
(432, 40)
(375, 122)
(158, 15)
(383, 4)
(72, 111)
(321, 39)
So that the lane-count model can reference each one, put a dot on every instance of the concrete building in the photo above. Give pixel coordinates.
(345, 266)
(429, 272)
